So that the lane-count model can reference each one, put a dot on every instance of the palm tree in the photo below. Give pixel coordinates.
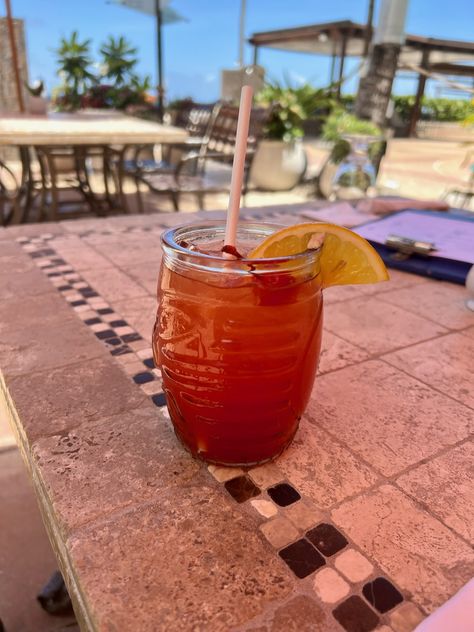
(119, 59)
(74, 61)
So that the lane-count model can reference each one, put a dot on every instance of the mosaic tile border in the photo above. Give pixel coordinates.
(356, 591)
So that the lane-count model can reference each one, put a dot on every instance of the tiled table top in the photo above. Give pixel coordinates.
(364, 523)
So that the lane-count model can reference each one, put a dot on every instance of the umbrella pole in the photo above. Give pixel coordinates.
(16, 70)
(159, 21)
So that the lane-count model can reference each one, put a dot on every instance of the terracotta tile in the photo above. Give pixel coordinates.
(146, 274)
(341, 293)
(110, 463)
(405, 618)
(88, 391)
(377, 326)
(223, 474)
(399, 280)
(337, 353)
(353, 565)
(417, 551)
(265, 508)
(112, 284)
(444, 485)
(279, 532)
(330, 586)
(441, 302)
(126, 249)
(266, 475)
(228, 560)
(468, 332)
(33, 230)
(445, 363)
(323, 469)
(140, 313)
(81, 256)
(303, 515)
(354, 615)
(47, 335)
(391, 419)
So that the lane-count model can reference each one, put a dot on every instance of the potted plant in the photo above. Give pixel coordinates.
(357, 149)
(36, 102)
(280, 161)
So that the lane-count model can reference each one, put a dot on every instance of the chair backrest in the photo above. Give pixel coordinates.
(194, 117)
(223, 132)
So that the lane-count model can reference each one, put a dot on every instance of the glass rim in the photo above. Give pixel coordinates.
(167, 238)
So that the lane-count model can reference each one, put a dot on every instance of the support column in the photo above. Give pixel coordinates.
(415, 113)
(341, 64)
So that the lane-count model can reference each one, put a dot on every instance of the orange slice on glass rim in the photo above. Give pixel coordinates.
(346, 258)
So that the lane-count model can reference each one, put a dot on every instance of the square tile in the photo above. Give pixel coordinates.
(112, 284)
(337, 353)
(355, 616)
(265, 508)
(440, 302)
(330, 586)
(388, 418)
(266, 475)
(89, 390)
(241, 488)
(302, 558)
(303, 515)
(223, 474)
(366, 322)
(353, 565)
(279, 532)
(327, 539)
(445, 363)
(444, 486)
(382, 594)
(420, 554)
(283, 494)
(405, 618)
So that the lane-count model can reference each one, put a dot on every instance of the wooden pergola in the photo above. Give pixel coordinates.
(345, 38)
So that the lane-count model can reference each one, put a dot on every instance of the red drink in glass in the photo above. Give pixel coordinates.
(237, 342)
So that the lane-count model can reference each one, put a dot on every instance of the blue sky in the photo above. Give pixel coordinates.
(197, 50)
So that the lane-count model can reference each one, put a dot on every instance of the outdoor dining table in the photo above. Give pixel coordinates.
(365, 522)
(81, 132)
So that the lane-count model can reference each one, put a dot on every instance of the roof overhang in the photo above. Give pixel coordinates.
(328, 39)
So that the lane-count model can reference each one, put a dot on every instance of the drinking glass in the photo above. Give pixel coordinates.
(237, 342)
(355, 176)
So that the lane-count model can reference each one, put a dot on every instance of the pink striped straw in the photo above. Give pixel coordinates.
(238, 166)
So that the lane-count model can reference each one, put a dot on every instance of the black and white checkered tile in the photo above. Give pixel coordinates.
(121, 340)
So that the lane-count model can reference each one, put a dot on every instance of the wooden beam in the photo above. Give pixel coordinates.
(16, 68)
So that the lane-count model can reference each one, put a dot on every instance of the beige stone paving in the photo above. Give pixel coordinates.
(444, 484)
(381, 326)
(388, 418)
(446, 363)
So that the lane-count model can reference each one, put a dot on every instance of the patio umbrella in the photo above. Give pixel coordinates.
(163, 14)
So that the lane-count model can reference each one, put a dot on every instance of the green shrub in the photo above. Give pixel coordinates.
(340, 123)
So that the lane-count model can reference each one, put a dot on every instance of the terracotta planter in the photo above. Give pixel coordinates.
(36, 105)
(278, 165)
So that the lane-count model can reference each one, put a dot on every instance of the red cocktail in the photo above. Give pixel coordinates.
(237, 342)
